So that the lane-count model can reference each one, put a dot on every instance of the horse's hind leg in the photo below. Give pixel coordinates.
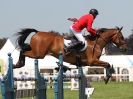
(23, 54)
(21, 61)
(30, 54)
(35, 54)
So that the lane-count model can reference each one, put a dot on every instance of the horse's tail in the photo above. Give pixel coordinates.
(22, 35)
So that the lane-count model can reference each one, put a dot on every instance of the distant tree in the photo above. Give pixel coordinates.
(111, 49)
(130, 43)
(2, 42)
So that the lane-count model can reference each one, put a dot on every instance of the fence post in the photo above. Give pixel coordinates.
(60, 77)
(7, 83)
(82, 79)
(40, 83)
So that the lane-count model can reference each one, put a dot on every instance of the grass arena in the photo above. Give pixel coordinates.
(114, 90)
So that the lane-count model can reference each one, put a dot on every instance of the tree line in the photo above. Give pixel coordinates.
(2, 42)
(111, 49)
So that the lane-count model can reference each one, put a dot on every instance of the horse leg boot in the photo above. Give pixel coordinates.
(21, 61)
(109, 71)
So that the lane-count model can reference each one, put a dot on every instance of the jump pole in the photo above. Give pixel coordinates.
(40, 83)
(81, 78)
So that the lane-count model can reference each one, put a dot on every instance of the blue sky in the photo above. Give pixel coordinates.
(46, 15)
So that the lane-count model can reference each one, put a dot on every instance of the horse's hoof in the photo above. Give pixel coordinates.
(112, 70)
(106, 80)
(64, 68)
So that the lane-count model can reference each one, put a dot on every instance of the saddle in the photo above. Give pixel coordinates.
(74, 45)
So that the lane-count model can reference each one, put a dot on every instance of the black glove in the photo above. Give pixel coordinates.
(97, 34)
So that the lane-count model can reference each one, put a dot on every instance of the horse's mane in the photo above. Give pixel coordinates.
(102, 30)
(54, 32)
(105, 29)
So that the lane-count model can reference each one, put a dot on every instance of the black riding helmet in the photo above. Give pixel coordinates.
(94, 12)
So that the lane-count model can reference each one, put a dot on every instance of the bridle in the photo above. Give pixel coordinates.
(115, 36)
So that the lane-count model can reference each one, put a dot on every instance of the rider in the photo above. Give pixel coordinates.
(84, 21)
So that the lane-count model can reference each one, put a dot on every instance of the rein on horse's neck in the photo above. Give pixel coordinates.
(105, 30)
(104, 39)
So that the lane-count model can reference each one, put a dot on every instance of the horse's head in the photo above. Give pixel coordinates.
(118, 39)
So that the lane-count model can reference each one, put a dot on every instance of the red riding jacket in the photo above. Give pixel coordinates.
(85, 22)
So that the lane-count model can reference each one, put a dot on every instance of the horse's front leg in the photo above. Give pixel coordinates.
(21, 61)
(109, 69)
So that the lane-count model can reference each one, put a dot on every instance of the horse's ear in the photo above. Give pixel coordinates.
(121, 28)
(117, 28)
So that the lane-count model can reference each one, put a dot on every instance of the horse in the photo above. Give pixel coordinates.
(44, 43)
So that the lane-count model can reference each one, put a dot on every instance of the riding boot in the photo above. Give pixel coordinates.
(74, 45)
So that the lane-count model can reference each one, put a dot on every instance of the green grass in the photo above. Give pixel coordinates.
(112, 90)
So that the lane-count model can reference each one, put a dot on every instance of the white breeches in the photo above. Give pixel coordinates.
(78, 35)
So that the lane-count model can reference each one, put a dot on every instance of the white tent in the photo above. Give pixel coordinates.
(123, 65)
(119, 60)
(49, 62)
(9, 48)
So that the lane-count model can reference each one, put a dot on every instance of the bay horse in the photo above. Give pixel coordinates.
(44, 43)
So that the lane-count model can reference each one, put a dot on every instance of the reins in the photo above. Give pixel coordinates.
(96, 42)
(94, 45)
(106, 41)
